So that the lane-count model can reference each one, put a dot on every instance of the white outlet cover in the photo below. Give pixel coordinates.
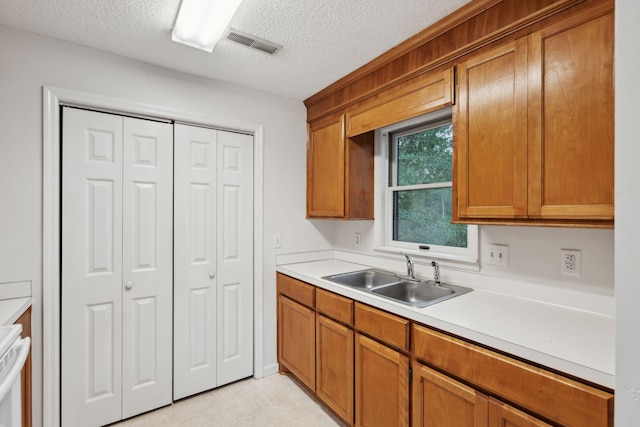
(571, 262)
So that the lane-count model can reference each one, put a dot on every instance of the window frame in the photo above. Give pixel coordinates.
(468, 255)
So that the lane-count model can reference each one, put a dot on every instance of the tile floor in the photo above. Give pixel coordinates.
(276, 401)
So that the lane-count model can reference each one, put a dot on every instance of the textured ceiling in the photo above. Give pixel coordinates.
(323, 40)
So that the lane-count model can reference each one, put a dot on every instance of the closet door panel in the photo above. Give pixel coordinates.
(195, 256)
(147, 265)
(91, 365)
(235, 257)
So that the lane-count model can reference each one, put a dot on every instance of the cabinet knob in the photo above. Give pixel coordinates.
(212, 274)
(128, 285)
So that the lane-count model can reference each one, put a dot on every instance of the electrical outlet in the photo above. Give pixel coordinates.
(357, 240)
(498, 255)
(277, 241)
(571, 262)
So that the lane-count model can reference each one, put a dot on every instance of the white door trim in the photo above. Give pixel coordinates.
(53, 98)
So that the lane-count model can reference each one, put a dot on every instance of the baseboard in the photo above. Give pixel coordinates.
(270, 370)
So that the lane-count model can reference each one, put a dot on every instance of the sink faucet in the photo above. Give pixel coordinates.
(409, 267)
(436, 272)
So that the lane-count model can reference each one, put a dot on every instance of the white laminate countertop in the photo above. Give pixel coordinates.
(577, 342)
(12, 309)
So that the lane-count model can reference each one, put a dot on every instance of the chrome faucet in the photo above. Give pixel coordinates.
(409, 267)
(436, 272)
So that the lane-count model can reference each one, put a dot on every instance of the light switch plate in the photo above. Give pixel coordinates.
(277, 241)
(497, 255)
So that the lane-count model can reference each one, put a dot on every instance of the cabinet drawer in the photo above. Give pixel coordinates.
(386, 327)
(334, 306)
(553, 396)
(296, 290)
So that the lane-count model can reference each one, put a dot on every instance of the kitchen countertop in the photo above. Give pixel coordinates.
(577, 342)
(12, 309)
(15, 299)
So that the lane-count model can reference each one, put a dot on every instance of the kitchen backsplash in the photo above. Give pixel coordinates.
(534, 253)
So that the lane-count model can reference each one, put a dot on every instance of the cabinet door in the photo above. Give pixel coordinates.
(439, 400)
(334, 366)
(296, 340)
(571, 156)
(325, 170)
(513, 379)
(382, 385)
(503, 415)
(418, 96)
(359, 153)
(491, 137)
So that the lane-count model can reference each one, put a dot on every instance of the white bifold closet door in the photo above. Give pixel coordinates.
(116, 267)
(213, 259)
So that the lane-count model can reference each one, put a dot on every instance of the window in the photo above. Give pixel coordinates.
(419, 192)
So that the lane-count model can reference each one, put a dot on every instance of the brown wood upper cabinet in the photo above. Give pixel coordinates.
(418, 96)
(339, 172)
(340, 150)
(534, 127)
(491, 130)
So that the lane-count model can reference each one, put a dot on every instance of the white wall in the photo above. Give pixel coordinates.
(30, 62)
(627, 208)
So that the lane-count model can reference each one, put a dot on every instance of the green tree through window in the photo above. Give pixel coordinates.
(421, 186)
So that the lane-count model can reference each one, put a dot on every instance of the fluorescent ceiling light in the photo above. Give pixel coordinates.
(201, 23)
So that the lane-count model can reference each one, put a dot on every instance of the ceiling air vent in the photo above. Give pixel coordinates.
(253, 42)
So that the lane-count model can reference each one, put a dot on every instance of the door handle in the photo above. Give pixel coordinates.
(128, 285)
(212, 274)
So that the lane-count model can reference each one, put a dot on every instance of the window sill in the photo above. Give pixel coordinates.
(452, 261)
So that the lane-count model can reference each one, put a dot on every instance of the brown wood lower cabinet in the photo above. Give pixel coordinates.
(356, 359)
(503, 415)
(382, 385)
(439, 400)
(296, 340)
(334, 366)
(552, 396)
